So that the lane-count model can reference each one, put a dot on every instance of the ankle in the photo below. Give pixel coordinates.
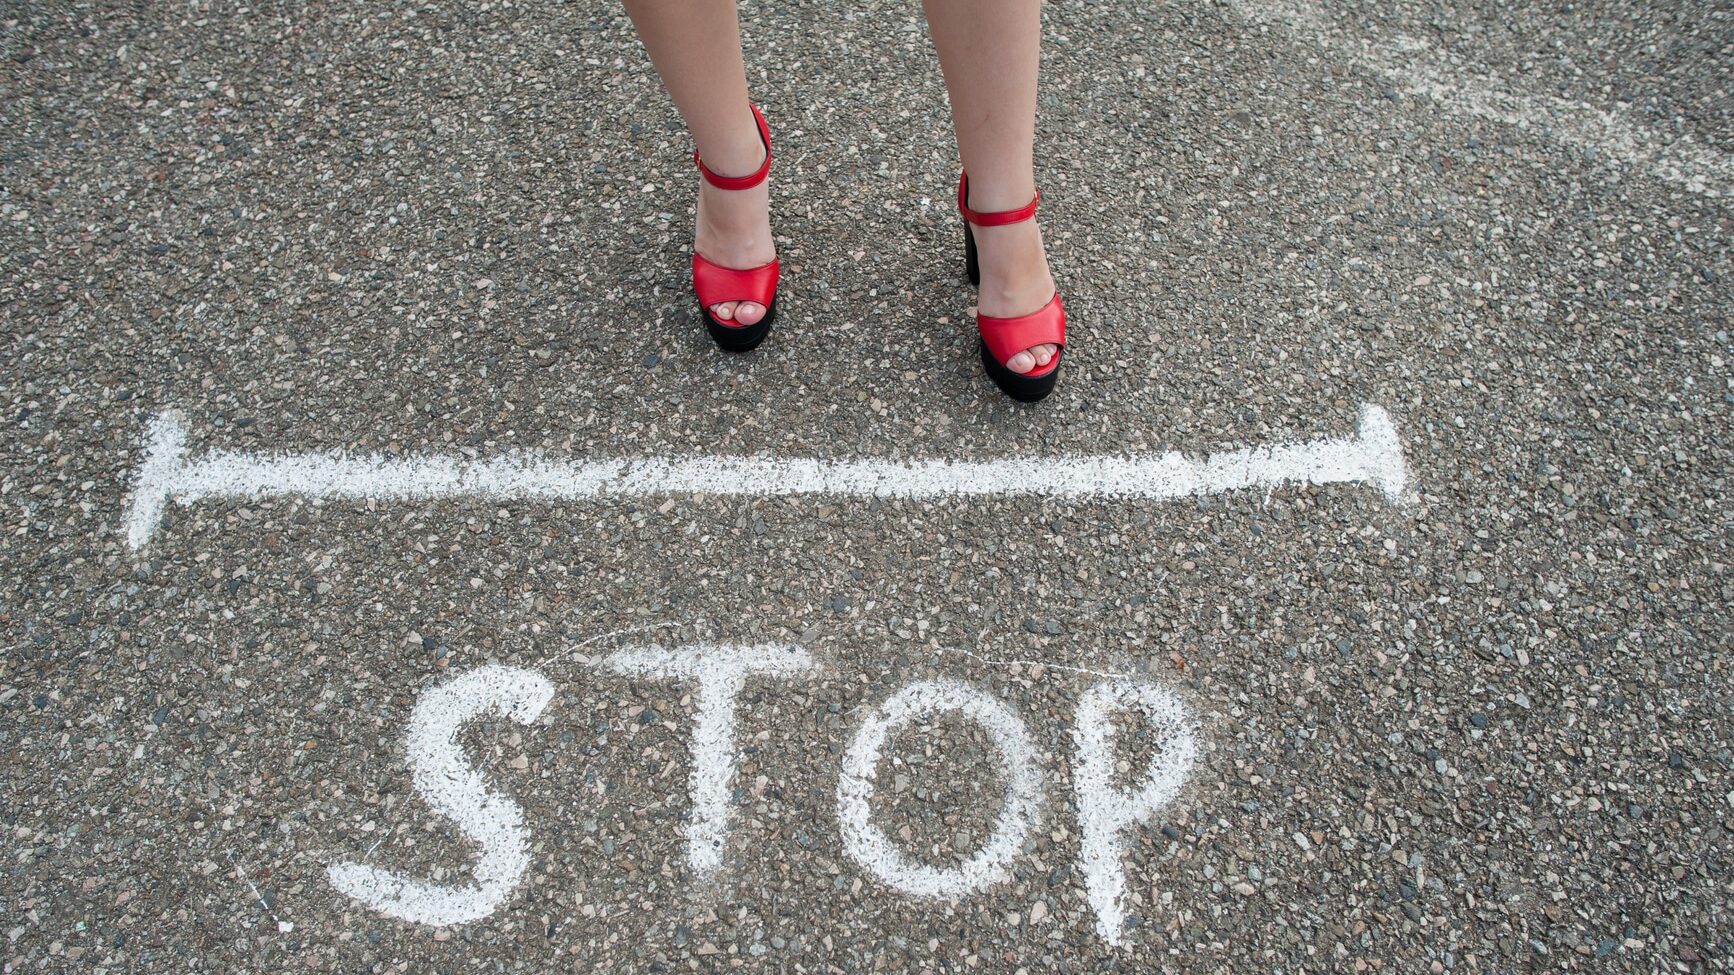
(1013, 246)
(736, 161)
(734, 151)
(996, 193)
(1013, 262)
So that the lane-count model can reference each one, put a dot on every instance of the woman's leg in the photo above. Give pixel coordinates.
(990, 51)
(696, 47)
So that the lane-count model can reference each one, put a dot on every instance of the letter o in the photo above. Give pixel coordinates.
(872, 849)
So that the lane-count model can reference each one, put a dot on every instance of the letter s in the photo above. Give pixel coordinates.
(444, 778)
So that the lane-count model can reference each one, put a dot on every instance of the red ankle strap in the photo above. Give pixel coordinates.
(741, 182)
(998, 218)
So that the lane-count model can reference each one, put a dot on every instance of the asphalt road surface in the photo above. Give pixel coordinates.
(1472, 718)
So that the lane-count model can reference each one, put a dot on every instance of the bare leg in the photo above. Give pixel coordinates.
(696, 47)
(990, 52)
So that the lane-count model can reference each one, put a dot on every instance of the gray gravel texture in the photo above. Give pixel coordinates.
(1485, 730)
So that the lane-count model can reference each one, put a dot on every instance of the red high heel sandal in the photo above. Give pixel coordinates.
(1002, 338)
(715, 284)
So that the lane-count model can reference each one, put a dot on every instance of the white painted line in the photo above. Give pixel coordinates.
(721, 673)
(444, 779)
(158, 477)
(1104, 812)
(1410, 64)
(868, 845)
(1374, 457)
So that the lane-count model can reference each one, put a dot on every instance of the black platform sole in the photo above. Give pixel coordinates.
(740, 338)
(1027, 389)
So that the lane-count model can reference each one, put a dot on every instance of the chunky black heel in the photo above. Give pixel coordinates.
(971, 266)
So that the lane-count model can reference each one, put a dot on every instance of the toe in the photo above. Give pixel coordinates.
(1022, 362)
(723, 310)
(749, 312)
(1044, 354)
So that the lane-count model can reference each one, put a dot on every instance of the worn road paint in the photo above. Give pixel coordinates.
(721, 672)
(158, 477)
(1410, 64)
(444, 779)
(1372, 457)
(873, 850)
(1104, 811)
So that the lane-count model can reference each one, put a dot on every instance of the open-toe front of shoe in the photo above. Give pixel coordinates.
(715, 284)
(1003, 338)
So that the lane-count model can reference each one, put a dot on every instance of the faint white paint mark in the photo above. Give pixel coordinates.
(283, 927)
(873, 850)
(443, 777)
(1409, 63)
(1104, 811)
(1373, 457)
(572, 652)
(720, 672)
(1032, 663)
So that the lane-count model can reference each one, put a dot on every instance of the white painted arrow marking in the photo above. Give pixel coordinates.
(1374, 456)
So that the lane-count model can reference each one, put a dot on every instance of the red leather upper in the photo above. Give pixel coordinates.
(715, 283)
(1006, 337)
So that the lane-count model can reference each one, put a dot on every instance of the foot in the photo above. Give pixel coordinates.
(1015, 281)
(734, 230)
